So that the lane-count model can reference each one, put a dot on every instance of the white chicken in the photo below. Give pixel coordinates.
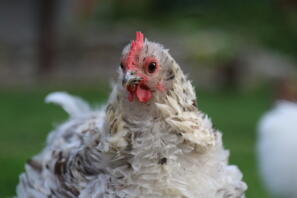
(150, 140)
(277, 146)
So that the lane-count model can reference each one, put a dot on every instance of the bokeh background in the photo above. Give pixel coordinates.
(238, 54)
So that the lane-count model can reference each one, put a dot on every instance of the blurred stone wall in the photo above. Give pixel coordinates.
(89, 53)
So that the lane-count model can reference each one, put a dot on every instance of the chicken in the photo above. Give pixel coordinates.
(149, 140)
(277, 144)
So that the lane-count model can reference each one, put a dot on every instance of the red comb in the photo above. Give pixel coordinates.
(135, 47)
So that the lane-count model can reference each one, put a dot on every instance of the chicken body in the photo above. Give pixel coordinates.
(277, 148)
(157, 146)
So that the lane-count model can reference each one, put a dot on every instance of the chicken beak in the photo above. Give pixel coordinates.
(130, 79)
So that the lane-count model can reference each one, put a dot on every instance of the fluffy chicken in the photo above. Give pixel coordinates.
(150, 140)
(277, 144)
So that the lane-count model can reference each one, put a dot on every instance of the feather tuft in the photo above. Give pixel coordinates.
(73, 105)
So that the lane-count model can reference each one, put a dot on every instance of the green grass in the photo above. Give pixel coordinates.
(26, 121)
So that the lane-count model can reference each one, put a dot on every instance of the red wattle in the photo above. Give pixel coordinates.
(131, 96)
(143, 94)
(130, 93)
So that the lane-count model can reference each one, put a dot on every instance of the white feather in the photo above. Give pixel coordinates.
(73, 105)
(277, 149)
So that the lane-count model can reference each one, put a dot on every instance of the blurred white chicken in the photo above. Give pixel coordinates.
(150, 140)
(277, 144)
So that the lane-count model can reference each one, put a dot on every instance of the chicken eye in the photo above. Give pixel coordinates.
(152, 67)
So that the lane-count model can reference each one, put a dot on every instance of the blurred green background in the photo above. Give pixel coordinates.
(238, 54)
